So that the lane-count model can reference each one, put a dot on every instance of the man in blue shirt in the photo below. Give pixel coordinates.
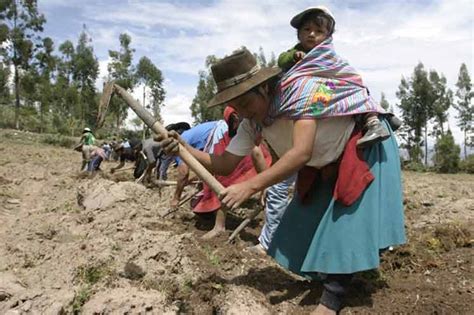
(197, 137)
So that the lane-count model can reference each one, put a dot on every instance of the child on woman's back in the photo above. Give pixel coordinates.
(314, 26)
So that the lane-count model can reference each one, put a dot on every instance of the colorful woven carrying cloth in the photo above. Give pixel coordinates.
(321, 85)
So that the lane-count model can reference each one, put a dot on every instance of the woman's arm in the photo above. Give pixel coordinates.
(258, 159)
(304, 132)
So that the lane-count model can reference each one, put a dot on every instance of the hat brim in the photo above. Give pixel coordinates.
(237, 90)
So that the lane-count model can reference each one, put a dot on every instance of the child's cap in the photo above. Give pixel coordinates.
(296, 20)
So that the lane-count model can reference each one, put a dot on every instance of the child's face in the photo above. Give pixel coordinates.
(311, 35)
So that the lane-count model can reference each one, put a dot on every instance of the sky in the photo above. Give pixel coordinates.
(384, 40)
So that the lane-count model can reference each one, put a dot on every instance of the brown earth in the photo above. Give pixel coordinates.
(98, 246)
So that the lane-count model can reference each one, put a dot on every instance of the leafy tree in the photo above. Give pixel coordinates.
(122, 72)
(151, 77)
(464, 107)
(416, 103)
(66, 62)
(19, 27)
(84, 73)
(4, 89)
(384, 103)
(442, 98)
(262, 60)
(205, 92)
(45, 65)
(446, 159)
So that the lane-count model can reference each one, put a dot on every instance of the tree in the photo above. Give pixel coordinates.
(205, 92)
(122, 72)
(446, 159)
(416, 103)
(151, 77)
(464, 107)
(4, 89)
(384, 103)
(45, 65)
(262, 60)
(85, 70)
(442, 98)
(21, 23)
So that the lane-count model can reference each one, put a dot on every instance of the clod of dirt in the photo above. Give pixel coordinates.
(100, 193)
(132, 271)
(10, 286)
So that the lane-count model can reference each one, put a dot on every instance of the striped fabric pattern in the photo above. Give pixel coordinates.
(321, 85)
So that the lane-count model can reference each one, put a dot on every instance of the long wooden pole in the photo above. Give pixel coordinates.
(184, 154)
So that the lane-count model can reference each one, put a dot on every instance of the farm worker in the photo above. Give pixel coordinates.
(218, 140)
(347, 205)
(126, 151)
(87, 142)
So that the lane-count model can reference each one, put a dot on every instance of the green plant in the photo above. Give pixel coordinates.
(80, 298)
(446, 159)
(467, 165)
(58, 140)
(211, 256)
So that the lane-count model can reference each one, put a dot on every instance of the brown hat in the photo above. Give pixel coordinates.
(237, 74)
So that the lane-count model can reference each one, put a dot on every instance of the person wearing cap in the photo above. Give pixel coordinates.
(348, 202)
(87, 143)
(315, 26)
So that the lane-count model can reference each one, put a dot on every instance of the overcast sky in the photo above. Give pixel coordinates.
(384, 40)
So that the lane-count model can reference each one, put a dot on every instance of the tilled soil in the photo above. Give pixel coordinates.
(72, 244)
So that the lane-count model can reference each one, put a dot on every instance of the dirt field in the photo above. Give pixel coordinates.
(72, 244)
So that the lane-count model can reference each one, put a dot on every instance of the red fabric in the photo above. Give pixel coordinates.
(228, 111)
(353, 174)
(244, 171)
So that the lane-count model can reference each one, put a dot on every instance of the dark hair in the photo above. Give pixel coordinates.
(233, 120)
(321, 19)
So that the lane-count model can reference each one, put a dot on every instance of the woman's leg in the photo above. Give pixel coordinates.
(219, 225)
(334, 291)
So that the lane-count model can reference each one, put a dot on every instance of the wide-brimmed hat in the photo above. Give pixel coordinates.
(86, 130)
(297, 19)
(237, 74)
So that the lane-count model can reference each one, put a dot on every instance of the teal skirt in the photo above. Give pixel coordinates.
(323, 236)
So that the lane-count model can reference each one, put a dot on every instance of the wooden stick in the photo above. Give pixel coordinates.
(172, 182)
(124, 169)
(244, 224)
(182, 202)
(187, 157)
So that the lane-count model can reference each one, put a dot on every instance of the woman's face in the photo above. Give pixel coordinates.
(252, 105)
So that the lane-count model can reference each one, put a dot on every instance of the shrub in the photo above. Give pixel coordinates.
(446, 158)
(58, 140)
(467, 165)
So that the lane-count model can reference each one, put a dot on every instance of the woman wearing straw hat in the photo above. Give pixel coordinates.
(348, 203)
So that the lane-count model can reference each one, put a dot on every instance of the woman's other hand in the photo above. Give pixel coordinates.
(233, 196)
(170, 145)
